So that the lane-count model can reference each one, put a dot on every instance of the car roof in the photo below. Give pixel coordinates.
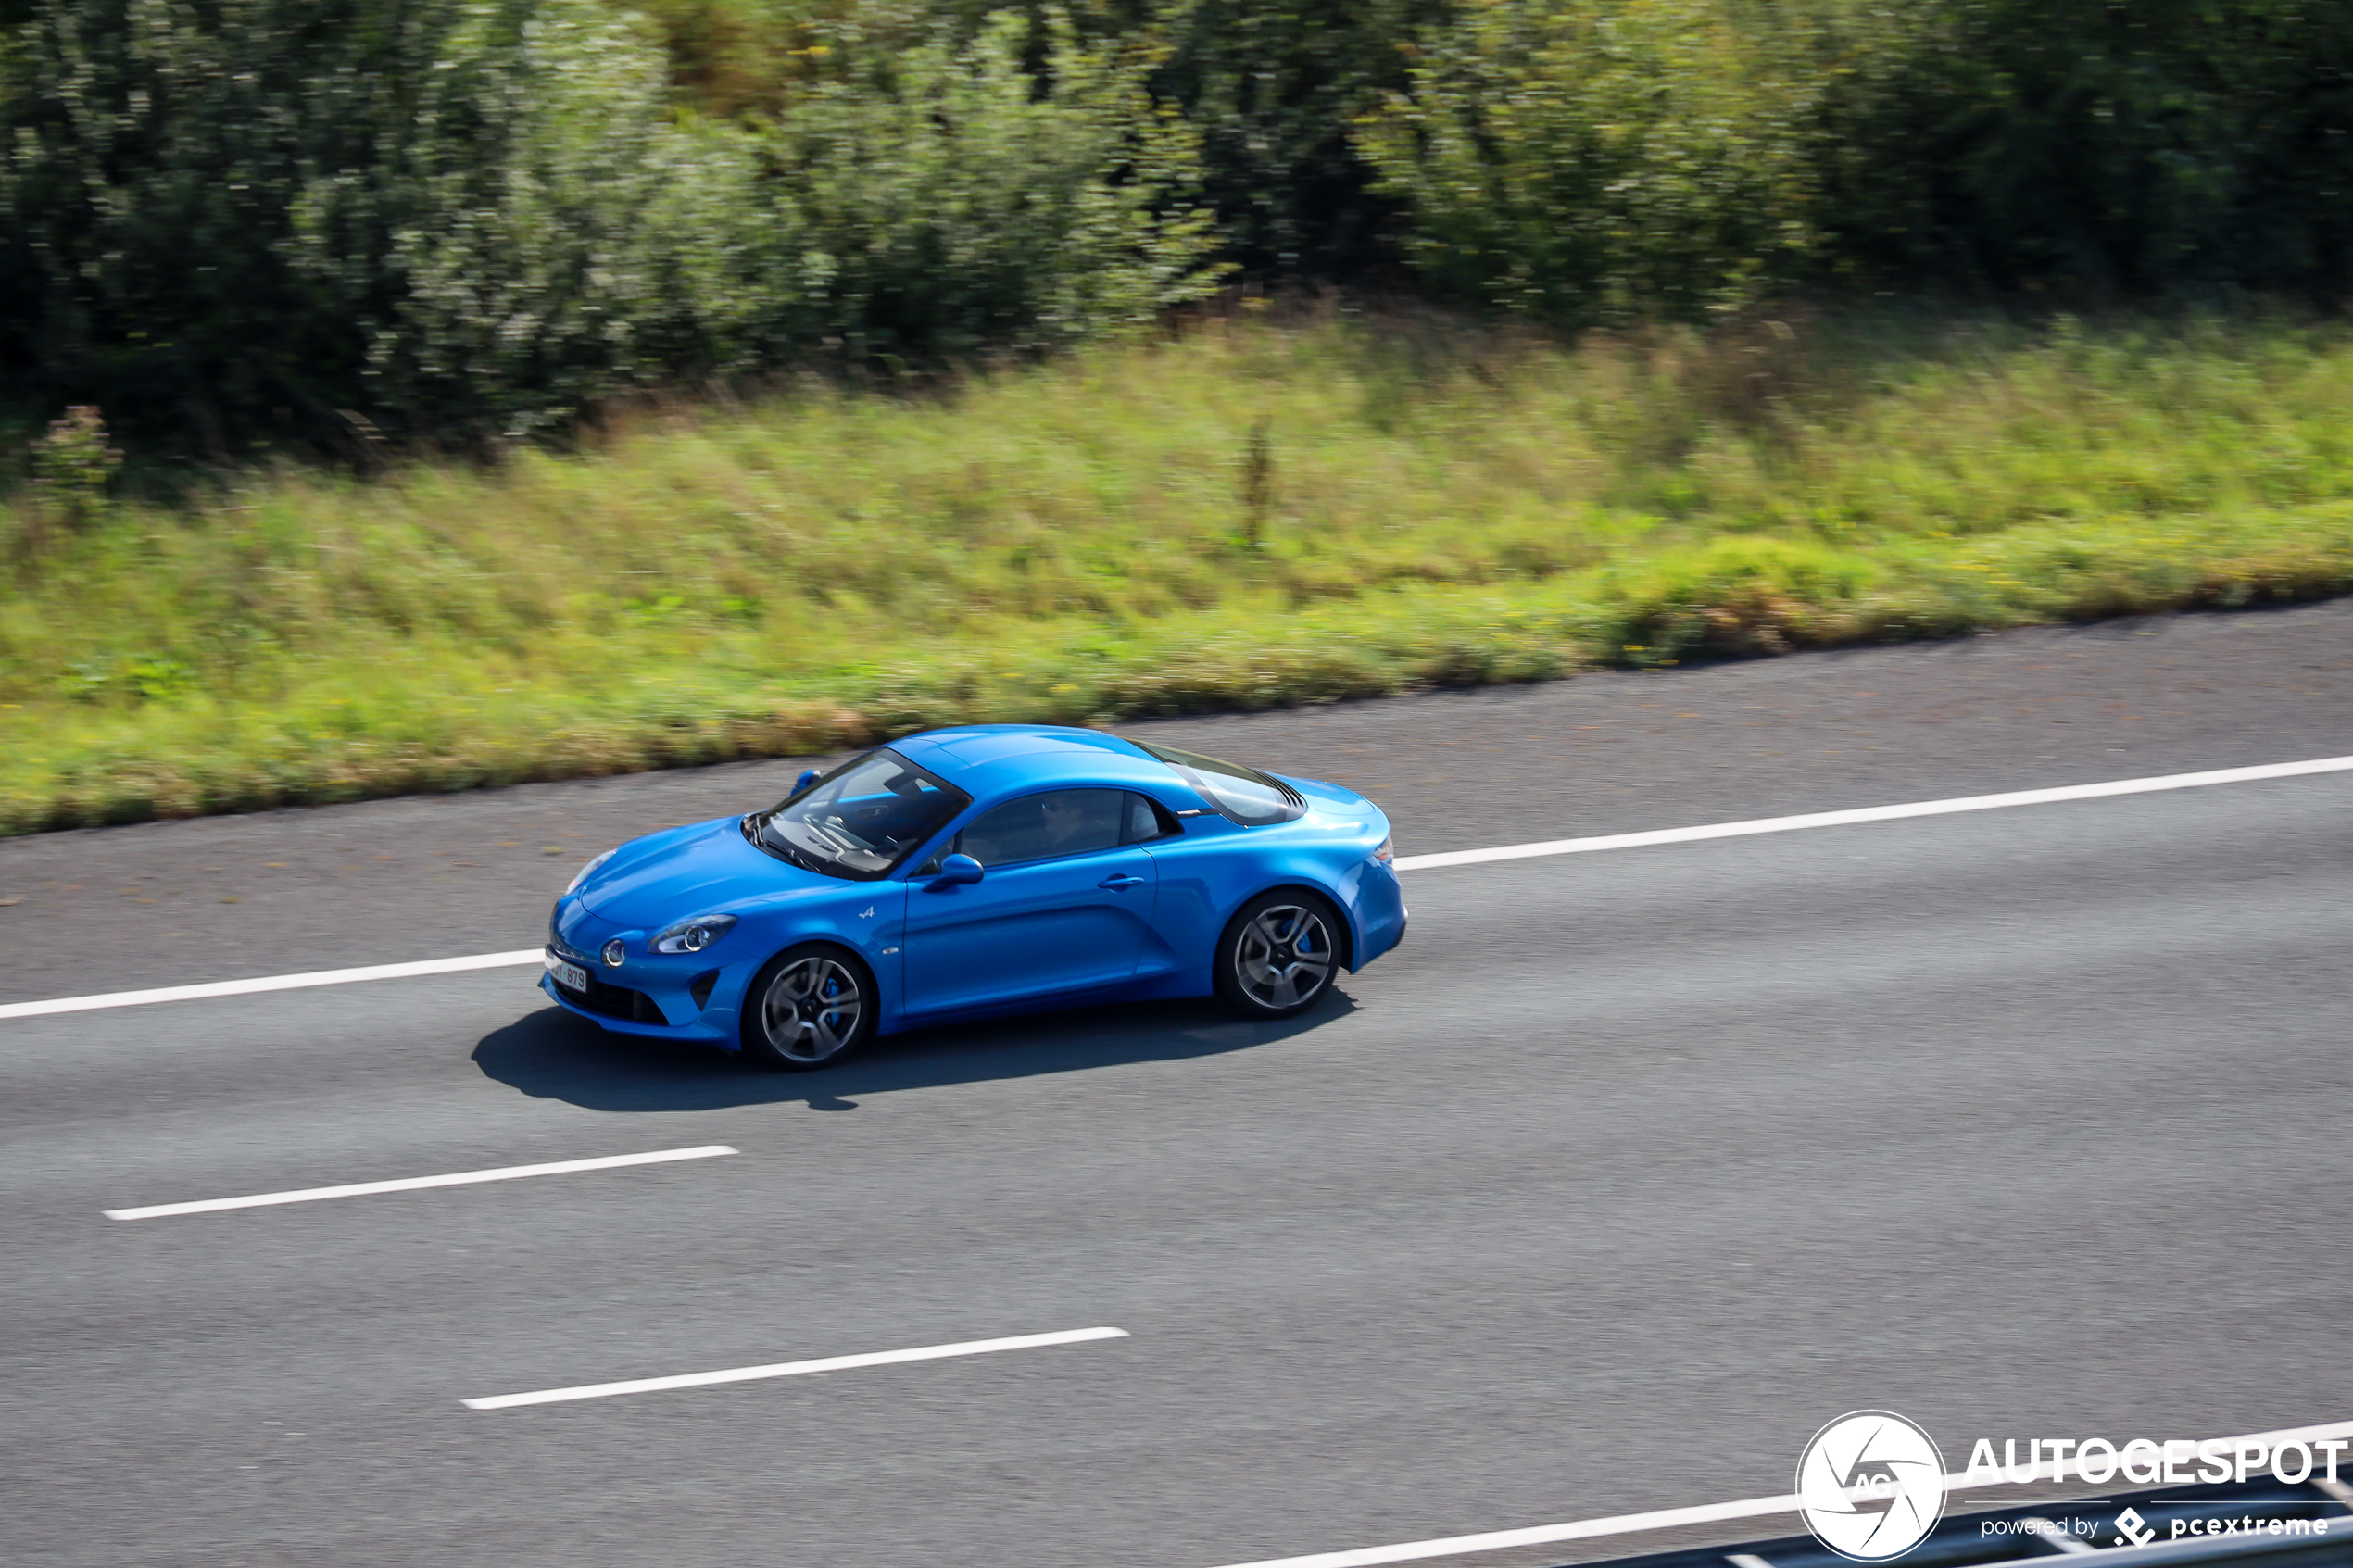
(985, 760)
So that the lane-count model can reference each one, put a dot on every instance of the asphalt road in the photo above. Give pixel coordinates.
(1625, 1175)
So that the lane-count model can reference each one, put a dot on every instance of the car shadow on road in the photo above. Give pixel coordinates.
(551, 1054)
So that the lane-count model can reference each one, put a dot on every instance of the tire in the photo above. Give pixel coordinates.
(1280, 954)
(809, 1007)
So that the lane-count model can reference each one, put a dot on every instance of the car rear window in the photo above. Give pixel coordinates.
(1239, 793)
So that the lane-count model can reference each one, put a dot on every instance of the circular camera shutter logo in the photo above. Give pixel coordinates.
(1871, 1486)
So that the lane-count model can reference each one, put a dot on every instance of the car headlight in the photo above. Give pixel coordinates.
(693, 935)
(582, 875)
(1388, 850)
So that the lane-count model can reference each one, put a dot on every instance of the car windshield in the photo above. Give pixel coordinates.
(1241, 794)
(859, 820)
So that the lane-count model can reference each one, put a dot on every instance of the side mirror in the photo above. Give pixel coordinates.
(957, 869)
(805, 779)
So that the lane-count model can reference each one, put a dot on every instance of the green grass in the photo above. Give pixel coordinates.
(1093, 539)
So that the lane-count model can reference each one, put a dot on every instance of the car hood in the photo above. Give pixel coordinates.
(683, 872)
(1330, 794)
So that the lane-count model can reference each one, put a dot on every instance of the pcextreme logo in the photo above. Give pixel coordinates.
(1871, 1486)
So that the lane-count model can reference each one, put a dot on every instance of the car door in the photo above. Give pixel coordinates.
(1064, 904)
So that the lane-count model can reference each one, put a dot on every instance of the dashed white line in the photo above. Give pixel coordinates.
(1878, 813)
(1669, 1518)
(793, 1369)
(270, 983)
(413, 1183)
(1404, 863)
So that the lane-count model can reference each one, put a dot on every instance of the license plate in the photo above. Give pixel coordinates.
(570, 974)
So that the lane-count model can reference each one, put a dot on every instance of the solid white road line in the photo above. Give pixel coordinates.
(270, 983)
(412, 1183)
(1878, 813)
(793, 1369)
(1404, 863)
(1670, 1518)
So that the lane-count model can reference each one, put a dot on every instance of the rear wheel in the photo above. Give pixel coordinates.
(809, 1007)
(1279, 955)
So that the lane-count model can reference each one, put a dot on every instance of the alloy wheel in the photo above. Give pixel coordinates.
(811, 1008)
(1285, 955)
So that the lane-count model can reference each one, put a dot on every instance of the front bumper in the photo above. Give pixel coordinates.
(671, 998)
(602, 999)
(1381, 911)
(701, 1029)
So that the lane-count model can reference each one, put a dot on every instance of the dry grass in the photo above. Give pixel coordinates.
(1432, 503)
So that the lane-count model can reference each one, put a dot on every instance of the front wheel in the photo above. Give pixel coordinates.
(809, 1007)
(1279, 955)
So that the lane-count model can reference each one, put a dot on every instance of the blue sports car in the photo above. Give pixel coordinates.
(970, 872)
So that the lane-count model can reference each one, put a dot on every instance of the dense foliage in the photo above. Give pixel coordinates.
(225, 222)
(2144, 145)
(286, 215)
(1577, 161)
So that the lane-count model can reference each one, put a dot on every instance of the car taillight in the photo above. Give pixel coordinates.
(1388, 850)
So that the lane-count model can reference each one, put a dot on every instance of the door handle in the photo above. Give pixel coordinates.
(1121, 881)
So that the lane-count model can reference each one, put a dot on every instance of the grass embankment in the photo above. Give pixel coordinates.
(1247, 517)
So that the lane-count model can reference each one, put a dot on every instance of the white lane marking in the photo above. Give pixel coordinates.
(1670, 1518)
(793, 1369)
(1404, 863)
(270, 983)
(1877, 813)
(412, 1183)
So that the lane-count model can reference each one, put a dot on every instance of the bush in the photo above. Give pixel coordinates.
(72, 466)
(1606, 158)
(295, 218)
(236, 223)
(1272, 86)
(939, 198)
(2160, 144)
(1276, 87)
(251, 217)
(1603, 159)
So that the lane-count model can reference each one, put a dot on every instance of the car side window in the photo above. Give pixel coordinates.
(1040, 827)
(1148, 819)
